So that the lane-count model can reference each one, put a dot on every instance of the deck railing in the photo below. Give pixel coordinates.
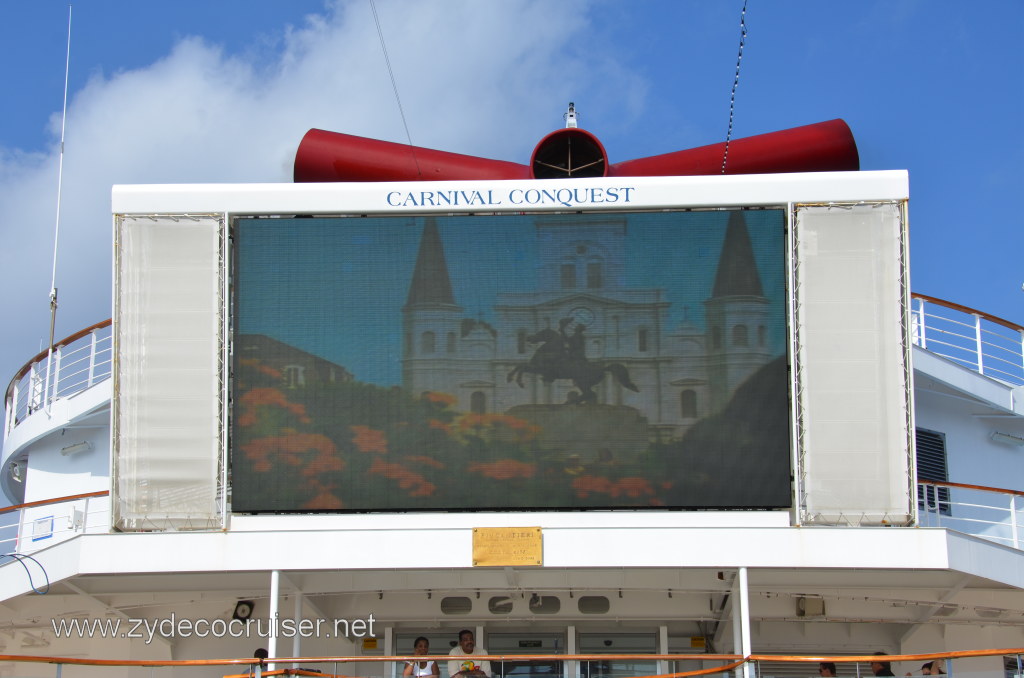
(76, 363)
(987, 512)
(991, 513)
(24, 530)
(984, 343)
(962, 663)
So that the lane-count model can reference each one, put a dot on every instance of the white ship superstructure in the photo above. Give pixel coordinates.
(905, 420)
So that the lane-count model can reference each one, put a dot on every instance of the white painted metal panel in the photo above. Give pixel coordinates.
(383, 198)
(852, 364)
(168, 359)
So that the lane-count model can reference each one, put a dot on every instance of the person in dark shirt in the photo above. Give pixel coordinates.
(881, 668)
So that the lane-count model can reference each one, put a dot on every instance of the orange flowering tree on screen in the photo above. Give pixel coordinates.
(357, 446)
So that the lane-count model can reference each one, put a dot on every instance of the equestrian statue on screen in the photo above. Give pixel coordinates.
(563, 356)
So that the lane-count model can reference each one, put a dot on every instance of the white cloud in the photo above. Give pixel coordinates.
(481, 78)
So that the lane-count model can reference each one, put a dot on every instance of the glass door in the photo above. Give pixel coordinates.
(618, 643)
(526, 643)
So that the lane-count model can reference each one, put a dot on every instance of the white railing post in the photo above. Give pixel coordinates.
(46, 380)
(21, 525)
(922, 342)
(977, 343)
(92, 357)
(55, 385)
(1013, 521)
(11, 410)
(35, 394)
(1021, 353)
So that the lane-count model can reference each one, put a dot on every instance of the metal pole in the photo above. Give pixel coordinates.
(571, 668)
(744, 619)
(977, 343)
(1022, 349)
(35, 390)
(12, 410)
(663, 648)
(275, 591)
(1013, 521)
(58, 356)
(737, 637)
(47, 394)
(920, 324)
(21, 526)
(60, 179)
(297, 638)
(92, 357)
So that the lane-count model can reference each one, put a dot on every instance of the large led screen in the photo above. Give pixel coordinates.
(516, 361)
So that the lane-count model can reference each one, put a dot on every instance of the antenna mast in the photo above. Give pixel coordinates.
(56, 228)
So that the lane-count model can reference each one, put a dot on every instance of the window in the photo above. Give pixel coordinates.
(521, 342)
(427, 342)
(931, 466)
(456, 605)
(593, 604)
(739, 335)
(641, 340)
(762, 335)
(545, 604)
(451, 342)
(478, 402)
(568, 276)
(716, 337)
(294, 376)
(594, 277)
(688, 404)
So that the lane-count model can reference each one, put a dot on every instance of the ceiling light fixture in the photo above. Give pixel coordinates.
(1008, 438)
(83, 446)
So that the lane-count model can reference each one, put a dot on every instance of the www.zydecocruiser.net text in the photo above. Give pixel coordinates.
(173, 627)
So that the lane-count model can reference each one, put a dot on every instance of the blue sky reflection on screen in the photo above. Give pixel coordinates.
(335, 287)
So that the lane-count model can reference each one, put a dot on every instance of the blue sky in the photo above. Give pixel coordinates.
(199, 91)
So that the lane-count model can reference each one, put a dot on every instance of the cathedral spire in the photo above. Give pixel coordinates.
(737, 271)
(430, 283)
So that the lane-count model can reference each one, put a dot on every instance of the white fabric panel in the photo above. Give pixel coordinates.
(167, 398)
(852, 365)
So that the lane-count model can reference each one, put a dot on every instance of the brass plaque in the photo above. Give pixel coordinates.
(507, 546)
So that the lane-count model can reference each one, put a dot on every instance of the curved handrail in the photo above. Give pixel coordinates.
(106, 323)
(970, 311)
(42, 354)
(982, 342)
(76, 363)
(57, 500)
(983, 488)
(363, 659)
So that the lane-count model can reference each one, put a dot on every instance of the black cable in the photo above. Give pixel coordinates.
(19, 557)
(735, 82)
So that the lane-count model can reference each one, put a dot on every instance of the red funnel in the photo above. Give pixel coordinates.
(330, 156)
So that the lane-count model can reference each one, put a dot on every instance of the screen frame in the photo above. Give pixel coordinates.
(234, 200)
(642, 481)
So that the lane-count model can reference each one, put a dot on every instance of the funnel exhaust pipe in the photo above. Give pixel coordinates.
(574, 153)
